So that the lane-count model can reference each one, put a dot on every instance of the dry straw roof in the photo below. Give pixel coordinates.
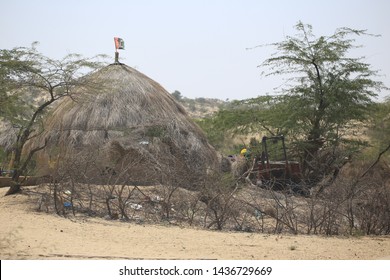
(120, 113)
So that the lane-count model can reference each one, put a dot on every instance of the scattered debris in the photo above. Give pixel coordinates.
(135, 206)
(67, 204)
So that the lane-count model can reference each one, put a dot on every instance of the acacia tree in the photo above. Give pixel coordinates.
(329, 90)
(326, 92)
(29, 84)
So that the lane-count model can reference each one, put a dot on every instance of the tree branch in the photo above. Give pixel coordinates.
(30, 155)
(376, 161)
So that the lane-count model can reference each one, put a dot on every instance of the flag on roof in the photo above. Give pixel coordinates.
(119, 43)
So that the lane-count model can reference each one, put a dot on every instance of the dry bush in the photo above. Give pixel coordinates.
(351, 204)
(373, 213)
(281, 207)
(218, 194)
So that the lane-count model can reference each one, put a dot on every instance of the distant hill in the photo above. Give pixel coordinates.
(200, 107)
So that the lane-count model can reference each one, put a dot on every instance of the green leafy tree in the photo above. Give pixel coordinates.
(177, 95)
(326, 93)
(379, 128)
(328, 89)
(30, 83)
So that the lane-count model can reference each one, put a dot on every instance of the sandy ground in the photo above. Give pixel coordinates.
(28, 234)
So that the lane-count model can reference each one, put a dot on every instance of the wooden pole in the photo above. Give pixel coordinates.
(116, 57)
(11, 163)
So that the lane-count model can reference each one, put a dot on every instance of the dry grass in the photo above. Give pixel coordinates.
(120, 111)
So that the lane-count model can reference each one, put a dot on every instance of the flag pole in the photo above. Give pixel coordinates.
(116, 56)
(116, 51)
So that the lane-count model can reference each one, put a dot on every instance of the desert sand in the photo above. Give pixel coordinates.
(26, 233)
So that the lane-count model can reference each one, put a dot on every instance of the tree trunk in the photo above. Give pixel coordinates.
(313, 145)
(21, 167)
(15, 184)
(314, 142)
(15, 188)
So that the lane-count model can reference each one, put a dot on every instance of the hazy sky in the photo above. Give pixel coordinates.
(197, 47)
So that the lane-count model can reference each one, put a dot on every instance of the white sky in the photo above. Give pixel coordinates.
(198, 47)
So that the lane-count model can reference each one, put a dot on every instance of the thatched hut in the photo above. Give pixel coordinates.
(124, 126)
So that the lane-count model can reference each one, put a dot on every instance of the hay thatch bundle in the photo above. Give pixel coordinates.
(122, 120)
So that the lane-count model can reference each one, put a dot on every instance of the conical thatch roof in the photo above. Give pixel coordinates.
(126, 122)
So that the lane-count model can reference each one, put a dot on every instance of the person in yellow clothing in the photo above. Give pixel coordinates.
(246, 153)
